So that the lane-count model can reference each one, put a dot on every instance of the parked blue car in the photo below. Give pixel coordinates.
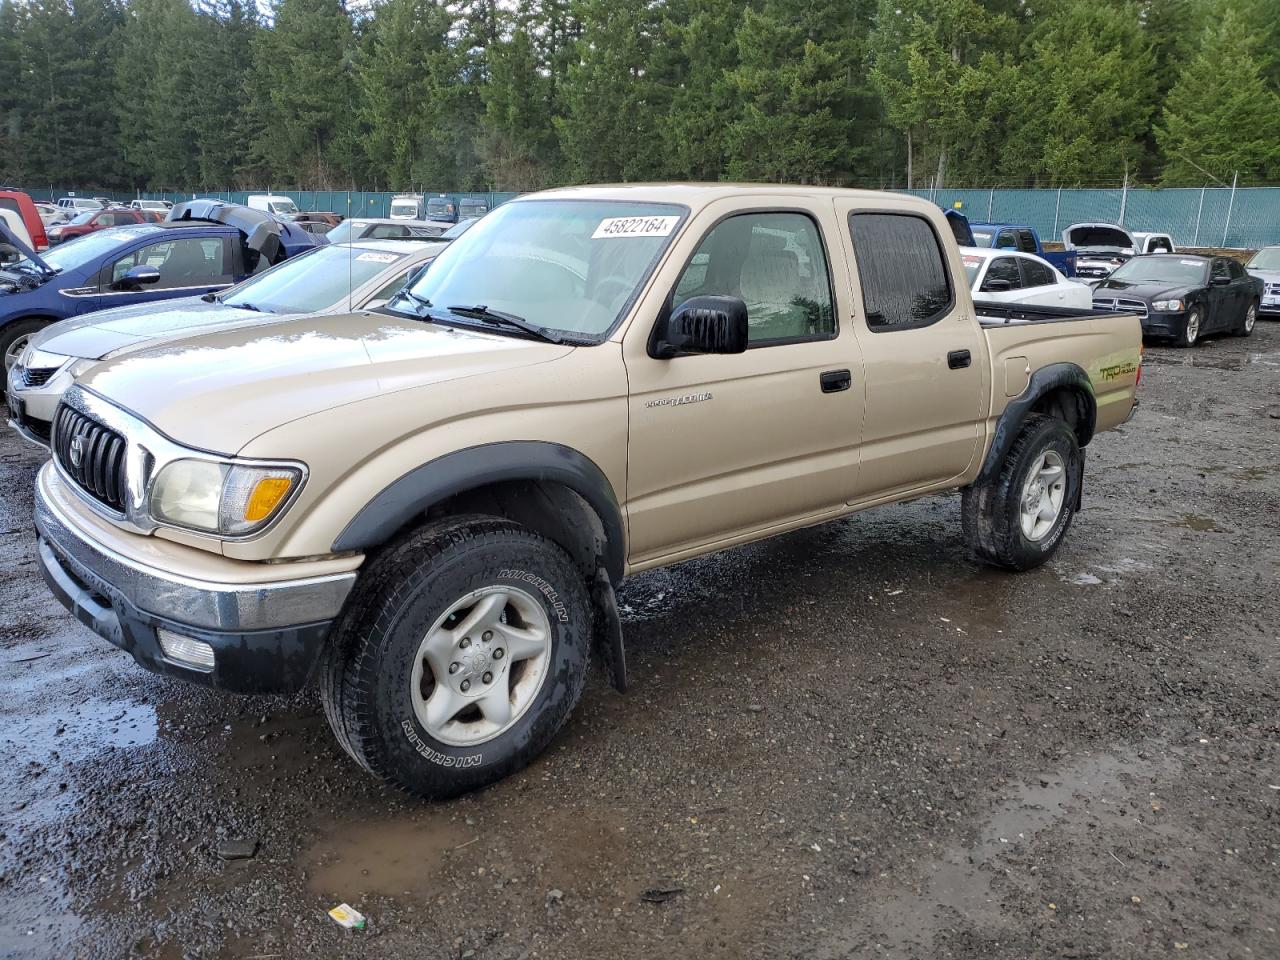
(204, 246)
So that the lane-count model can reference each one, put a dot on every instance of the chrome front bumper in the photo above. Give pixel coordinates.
(266, 637)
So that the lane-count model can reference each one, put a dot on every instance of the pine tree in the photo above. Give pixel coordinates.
(1221, 117)
(406, 79)
(1090, 77)
(307, 64)
(801, 82)
(518, 147)
(611, 106)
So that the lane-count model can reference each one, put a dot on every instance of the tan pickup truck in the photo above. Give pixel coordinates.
(426, 508)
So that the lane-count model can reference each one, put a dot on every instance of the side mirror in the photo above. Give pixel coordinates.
(702, 325)
(996, 285)
(138, 276)
(1220, 281)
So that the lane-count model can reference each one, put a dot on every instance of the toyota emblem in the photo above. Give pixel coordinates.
(77, 450)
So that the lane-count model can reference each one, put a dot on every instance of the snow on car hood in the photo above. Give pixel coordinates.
(96, 336)
(221, 389)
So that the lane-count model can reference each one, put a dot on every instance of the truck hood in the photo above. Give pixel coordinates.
(96, 336)
(1268, 276)
(221, 389)
(1098, 237)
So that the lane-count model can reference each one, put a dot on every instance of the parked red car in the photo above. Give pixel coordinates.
(21, 204)
(92, 220)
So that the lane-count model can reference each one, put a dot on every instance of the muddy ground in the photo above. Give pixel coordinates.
(851, 741)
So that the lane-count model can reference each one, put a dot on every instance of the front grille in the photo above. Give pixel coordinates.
(91, 455)
(1272, 289)
(1117, 305)
(37, 376)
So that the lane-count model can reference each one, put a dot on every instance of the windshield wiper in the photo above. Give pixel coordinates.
(422, 302)
(482, 312)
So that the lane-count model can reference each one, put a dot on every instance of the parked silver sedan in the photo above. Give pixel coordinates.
(331, 279)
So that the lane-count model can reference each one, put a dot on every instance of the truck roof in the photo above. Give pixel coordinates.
(701, 194)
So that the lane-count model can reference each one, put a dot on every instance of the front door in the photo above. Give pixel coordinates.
(1222, 296)
(189, 267)
(722, 446)
(926, 360)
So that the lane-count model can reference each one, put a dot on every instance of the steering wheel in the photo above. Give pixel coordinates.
(622, 283)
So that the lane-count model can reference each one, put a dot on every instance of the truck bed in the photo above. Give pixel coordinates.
(1003, 314)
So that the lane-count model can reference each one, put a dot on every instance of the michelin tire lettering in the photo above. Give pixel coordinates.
(435, 756)
(548, 591)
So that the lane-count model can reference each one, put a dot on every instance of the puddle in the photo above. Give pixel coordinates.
(387, 857)
(1193, 521)
(1085, 580)
(1197, 360)
(958, 885)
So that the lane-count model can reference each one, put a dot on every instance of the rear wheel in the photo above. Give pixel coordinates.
(1248, 321)
(1191, 328)
(1019, 520)
(460, 658)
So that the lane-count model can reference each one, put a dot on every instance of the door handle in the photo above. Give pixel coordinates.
(958, 358)
(833, 381)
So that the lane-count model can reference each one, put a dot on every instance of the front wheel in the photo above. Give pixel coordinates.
(1248, 321)
(1190, 328)
(460, 657)
(1018, 521)
(14, 338)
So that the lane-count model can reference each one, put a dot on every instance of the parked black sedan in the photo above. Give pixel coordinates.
(1183, 297)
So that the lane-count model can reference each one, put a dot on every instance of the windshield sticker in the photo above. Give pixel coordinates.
(1190, 263)
(612, 227)
(378, 257)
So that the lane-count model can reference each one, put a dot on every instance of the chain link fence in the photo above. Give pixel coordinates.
(1244, 218)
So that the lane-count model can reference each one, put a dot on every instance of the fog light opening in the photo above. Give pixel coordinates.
(186, 651)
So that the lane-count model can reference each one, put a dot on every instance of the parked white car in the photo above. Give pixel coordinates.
(1007, 276)
(78, 205)
(336, 278)
(155, 206)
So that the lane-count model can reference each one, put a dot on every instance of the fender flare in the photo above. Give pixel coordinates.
(1054, 376)
(412, 494)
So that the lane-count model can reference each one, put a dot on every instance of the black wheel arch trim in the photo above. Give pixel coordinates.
(1054, 376)
(534, 460)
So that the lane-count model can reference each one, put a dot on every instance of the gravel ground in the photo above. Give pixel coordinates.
(851, 741)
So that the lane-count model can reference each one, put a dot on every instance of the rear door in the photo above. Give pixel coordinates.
(926, 366)
(1222, 295)
(1040, 285)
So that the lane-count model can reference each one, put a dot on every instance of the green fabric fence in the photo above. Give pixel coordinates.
(1196, 217)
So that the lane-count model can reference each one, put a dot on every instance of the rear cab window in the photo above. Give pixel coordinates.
(902, 271)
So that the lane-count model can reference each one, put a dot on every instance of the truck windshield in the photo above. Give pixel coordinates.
(1266, 259)
(404, 208)
(1162, 270)
(440, 207)
(983, 238)
(314, 281)
(570, 266)
(283, 206)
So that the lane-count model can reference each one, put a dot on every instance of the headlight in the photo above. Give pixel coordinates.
(1167, 306)
(227, 499)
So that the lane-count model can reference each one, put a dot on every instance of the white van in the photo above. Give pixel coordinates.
(408, 206)
(274, 204)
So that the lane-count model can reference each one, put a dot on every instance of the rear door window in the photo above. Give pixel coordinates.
(901, 269)
(1007, 240)
(1036, 274)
